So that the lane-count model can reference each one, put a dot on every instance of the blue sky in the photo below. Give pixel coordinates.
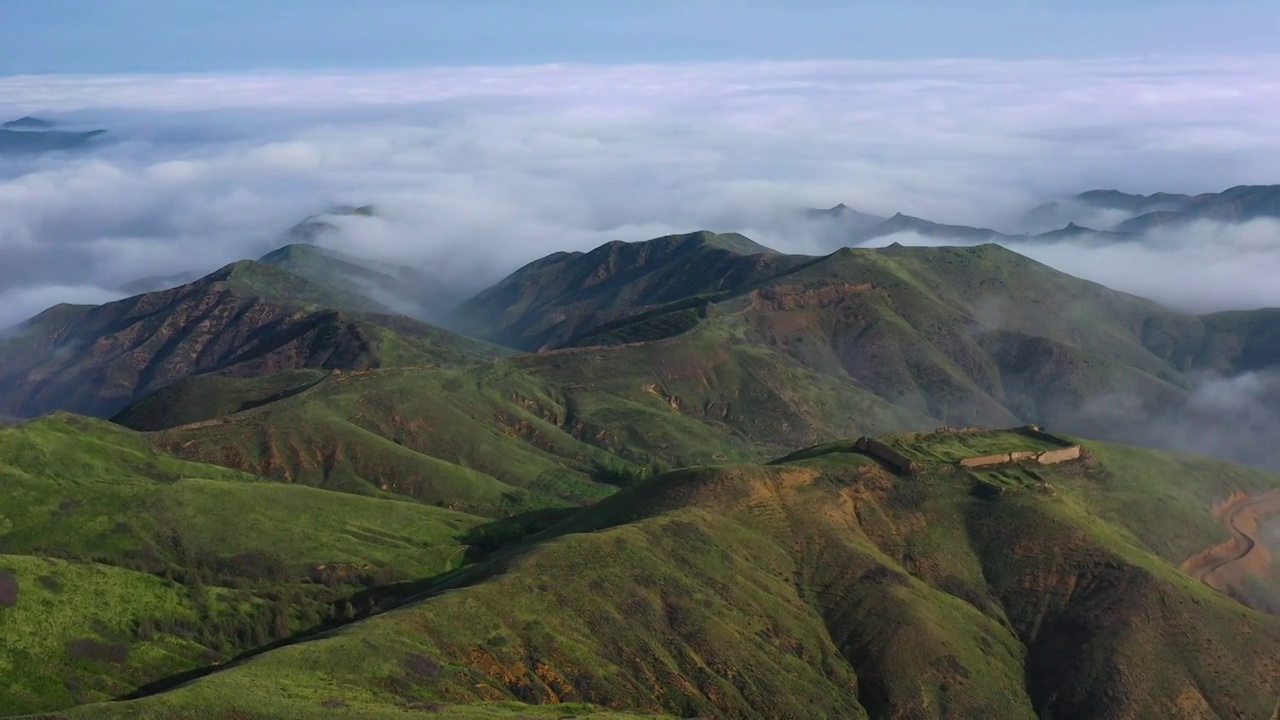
(114, 36)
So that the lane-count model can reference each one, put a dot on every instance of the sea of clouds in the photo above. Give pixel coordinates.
(476, 171)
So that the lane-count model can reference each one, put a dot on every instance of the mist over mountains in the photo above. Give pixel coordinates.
(437, 189)
(477, 179)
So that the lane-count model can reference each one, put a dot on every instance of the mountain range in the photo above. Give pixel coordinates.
(33, 135)
(686, 477)
(1096, 215)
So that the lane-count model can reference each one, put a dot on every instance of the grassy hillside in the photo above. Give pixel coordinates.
(976, 335)
(550, 302)
(860, 342)
(125, 566)
(248, 319)
(203, 397)
(537, 430)
(825, 586)
(389, 286)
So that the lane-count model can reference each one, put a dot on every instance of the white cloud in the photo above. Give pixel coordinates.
(478, 170)
(1204, 266)
(19, 304)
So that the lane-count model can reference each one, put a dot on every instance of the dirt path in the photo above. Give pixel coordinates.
(1227, 564)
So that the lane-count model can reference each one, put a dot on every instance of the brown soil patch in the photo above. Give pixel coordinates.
(8, 589)
(422, 667)
(1224, 567)
(89, 649)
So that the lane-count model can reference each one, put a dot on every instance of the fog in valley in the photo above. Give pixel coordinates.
(475, 171)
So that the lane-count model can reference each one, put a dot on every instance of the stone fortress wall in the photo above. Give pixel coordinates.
(1066, 451)
(887, 455)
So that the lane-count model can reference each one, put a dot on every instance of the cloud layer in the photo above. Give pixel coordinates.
(478, 170)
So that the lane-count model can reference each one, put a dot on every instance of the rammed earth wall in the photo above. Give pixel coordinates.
(1047, 457)
(886, 455)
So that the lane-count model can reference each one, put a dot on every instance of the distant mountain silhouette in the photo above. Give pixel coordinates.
(27, 123)
(28, 135)
(848, 218)
(901, 223)
(1075, 232)
(1238, 204)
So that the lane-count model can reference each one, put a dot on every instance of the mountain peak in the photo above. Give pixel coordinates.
(299, 251)
(360, 210)
(27, 123)
(733, 242)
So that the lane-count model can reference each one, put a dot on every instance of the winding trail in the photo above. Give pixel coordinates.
(1227, 564)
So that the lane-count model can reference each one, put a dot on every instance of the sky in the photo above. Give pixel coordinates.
(148, 36)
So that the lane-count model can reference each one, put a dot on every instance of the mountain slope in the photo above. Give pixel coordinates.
(821, 586)
(980, 335)
(1100, 208)
(900, 223)
(27, 123)
(403, 289)
(843, 217)
(1238, 204)
(246, 319)
(550, 301)
(124, 566)
(1137, 214)
(535, 430)
(1076, 232)
(860, 341)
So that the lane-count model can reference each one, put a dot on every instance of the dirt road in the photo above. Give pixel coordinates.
(1227, 564)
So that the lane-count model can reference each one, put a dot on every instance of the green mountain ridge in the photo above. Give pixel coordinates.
(973, 335)
(130, 566)
(565, 295)
(1238, 204)
(246, 319)
(824, 585)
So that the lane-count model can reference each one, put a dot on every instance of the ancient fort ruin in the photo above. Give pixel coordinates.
(1063, 451)
(887, 455)
(1046, 457)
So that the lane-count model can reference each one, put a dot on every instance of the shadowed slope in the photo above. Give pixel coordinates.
(565, 295)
